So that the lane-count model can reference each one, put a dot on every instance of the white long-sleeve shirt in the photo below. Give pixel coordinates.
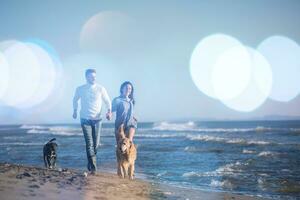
(91, 97)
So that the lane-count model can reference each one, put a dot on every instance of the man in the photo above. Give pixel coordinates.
(91, 96)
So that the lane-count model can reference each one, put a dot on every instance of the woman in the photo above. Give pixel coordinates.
(123, 106)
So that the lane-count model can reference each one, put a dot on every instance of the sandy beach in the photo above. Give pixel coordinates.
(27, 182)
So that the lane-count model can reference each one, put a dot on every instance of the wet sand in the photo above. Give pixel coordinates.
(26, 182)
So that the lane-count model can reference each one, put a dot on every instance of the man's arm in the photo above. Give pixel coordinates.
(75, 103)
(107, 102)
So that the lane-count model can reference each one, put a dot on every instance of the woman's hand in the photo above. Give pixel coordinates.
(109, 115)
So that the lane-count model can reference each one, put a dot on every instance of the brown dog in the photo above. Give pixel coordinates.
(126, 155)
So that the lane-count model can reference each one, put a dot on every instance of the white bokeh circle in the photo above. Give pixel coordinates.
(24, 74)
(283, 55)
(204, 57)
(4, 75)
(6, 44)
(47, 76)
(231, 73)
(109, 33)
(259, 87)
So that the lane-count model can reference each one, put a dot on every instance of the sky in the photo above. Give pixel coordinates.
(151, 44)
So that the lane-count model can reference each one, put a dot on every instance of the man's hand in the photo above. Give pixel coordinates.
(109, 115)
(75, 114)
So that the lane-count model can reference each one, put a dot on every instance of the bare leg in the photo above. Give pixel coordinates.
(131, 133)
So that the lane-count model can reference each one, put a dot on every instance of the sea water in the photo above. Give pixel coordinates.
(260, 158)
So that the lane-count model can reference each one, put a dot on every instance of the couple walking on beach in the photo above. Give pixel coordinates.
(91, 96)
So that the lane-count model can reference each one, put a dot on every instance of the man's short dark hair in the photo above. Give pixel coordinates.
(89, 71)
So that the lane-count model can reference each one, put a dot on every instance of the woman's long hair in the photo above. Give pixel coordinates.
(131, 97)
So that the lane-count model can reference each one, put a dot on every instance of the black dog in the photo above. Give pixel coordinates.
(50, 154)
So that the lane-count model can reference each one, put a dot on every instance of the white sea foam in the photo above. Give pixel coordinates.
(224, 184)
(21, 144)
(227, 169)
(25, 126)
(190, 174)
(267, 154)
(166, 126)
(199, 174)
(37, 131)
(258, 142)
(162, 173)
(248, 151)
(188, 148)
(264, 129)
(64, 129)
(206, 138)
(247, 142)
(165, 135)
(232, 169)
(191, 126)
(13, 137)
(261, 183)
(226, 140)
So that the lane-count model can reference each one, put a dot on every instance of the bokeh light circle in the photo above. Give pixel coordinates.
(6, 44)
(283, 54)
(109, 33)
(47, 76)
(24, 74)
(204, 57)
(4, 75)
(231, 73)
(259, 87)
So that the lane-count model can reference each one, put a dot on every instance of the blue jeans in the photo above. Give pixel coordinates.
(91, 132)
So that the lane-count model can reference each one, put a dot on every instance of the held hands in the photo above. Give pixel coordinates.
(109, 115)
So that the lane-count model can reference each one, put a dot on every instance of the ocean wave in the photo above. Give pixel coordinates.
(53, 130)
(267, 154)
(13, 137)
(25, 126)
(210, 138)
(64, 133)
(206, 138)
(21, 144)
(164, 173)
(166, 126)
(191, 126)
(232, 169)
(195, 149)
(191, 149)
(250, 142)
(223, 184)
(248, 151)
(151, 135)
(64, 129)
(191, 174)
